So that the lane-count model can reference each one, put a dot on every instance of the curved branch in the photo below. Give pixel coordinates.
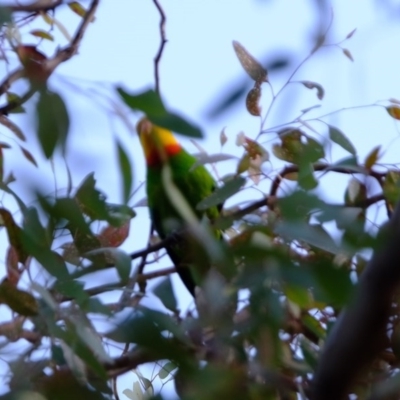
(320, 167)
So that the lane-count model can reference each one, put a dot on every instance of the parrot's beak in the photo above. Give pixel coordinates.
(144, 127)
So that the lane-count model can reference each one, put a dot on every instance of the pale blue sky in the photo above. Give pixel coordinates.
(199, 64)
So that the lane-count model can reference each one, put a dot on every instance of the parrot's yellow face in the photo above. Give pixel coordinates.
(157, 143)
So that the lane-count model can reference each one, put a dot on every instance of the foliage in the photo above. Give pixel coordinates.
(291, 271)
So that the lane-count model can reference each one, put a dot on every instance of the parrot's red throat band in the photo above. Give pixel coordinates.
(156, 157)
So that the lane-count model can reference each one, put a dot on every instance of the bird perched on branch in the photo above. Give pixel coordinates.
(175, 185)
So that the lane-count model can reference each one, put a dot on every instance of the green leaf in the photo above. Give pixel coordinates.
(91, 200)
(146, 328)
(341, 139)
(6, 188)
(305, 203)
(89, 336)
(57, 355)
(36, 242)
(349, 163)
(42, 34)
(311, 234)
(391, 187)
(166, 370)
(314, 325)
(14, 234)
(121, 259)
(309, 352)
(72, 289)
(166, 294)
(53, 122)
(333, 284)
(306, 176)
(204, 158)
(125, 170)
(221, 194)
(5, 15)
(298, 295)
(73, 335)
(77, 8)
(298, 148)
(343, 216)
(119, 213)
(372, 157)
(96, 306)
(151, 104)
(312, 151)
(13, 97)
(177, 124)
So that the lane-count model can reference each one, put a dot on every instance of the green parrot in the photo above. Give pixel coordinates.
(194, 183)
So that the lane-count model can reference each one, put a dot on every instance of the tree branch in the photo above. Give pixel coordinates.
(162, 44)
(320, 167)
(130, 361)
(49, 65)
(66, 53)
(13, 331)
(39, 5)
(359, 333)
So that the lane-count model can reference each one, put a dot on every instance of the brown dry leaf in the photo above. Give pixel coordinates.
(394, 112)
(252, 100)
(112, 236)
(347, 53)
(13, 274)
(33, 62)
(255, 70)
(314, 85)
(349, 35)
(12, 127)
(222, 137)
(14, 234)
(28, 155)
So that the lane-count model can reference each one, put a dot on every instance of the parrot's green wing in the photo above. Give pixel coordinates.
(195, 184)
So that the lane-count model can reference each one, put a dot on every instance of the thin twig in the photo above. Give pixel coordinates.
(35, 7)
(50, 64)
(13, 331)
(67, 52)
(153, 248)
(10, 79)
(162, 44)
